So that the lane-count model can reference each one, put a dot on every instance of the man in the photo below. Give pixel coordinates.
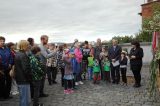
(45, 54)
(6, 61)
(86, 54)
(97, 51)
(114, 54)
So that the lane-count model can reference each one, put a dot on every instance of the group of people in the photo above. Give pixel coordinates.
(24, 70)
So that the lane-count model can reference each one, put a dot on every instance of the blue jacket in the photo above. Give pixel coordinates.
(5, 58)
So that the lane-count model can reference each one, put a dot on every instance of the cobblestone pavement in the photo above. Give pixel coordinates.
(96, 95)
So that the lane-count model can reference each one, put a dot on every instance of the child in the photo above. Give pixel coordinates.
(96, 70)
(106, 68)
(52, 66)
(102, 56)
(90, 66)
(68, 74)
(37, 73)
(123, 67)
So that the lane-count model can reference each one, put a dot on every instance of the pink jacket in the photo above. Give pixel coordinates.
(78, 55)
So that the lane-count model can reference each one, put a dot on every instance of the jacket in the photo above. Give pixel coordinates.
(36, 68)
(114, 54)
(97, 51)
(6, 58)
(78, 55)
(45, 54)
(22, 68)
(68, 66)
(138, 53)
(123, 63)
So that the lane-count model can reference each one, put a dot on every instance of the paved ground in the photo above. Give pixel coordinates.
(97, 95)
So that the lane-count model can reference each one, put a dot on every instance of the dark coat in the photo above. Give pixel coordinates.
(22, 68)
(114, 54)
(124, 61)
(138, 53)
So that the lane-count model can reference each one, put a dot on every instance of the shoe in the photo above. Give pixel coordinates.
(66, 92)
(7, 98)
(39, 104)
(80, 82)
(2, 99)
(70, 90)
(138, 85)
(15, 93)
(50, 83)
(76, 83)
(54, 82)
(43, 95)
(113, 82)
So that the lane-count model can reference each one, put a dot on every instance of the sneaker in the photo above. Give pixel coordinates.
(15, 93)
(80, 82)
(66, 92)
(76, 83)
(71, 91)
(43, 95)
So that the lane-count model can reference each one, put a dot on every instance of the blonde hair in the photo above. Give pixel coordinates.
(23, 45)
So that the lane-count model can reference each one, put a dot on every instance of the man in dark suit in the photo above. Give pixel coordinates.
(114, 54)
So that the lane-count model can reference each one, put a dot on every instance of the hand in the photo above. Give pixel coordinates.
(113, 60)
(1, 72)
(10, 66)
(133, 57)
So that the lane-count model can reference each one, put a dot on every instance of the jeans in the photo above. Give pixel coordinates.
(36, 87)
(24, 93)
(51, 73)
(137, 74)
(14, 87)
(123, 72)
(107, 76)
(90, 73)
(68, 84)
(115, 74)
(5, 85)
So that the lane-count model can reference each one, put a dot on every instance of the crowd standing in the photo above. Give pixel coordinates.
(23, 71)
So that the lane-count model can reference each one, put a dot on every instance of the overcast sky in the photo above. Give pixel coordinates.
(65, 20)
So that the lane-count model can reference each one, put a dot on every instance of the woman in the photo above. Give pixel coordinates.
(23, 72)
(6, 61)
(77, 64)
(60, 63)
(14, 88)
(136, 55)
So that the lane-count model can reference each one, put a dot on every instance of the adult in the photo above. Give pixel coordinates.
(114, 54)
(6, 61)
(77, 65)
(97, 51)
(31, 41)
(60, 62)
(45, 54)
(86, 53)
(73, 45)
(136, 55)
(23, 72)
(52, 66)
(14, 88)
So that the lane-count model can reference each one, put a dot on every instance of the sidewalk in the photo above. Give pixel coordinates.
(96, 95)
